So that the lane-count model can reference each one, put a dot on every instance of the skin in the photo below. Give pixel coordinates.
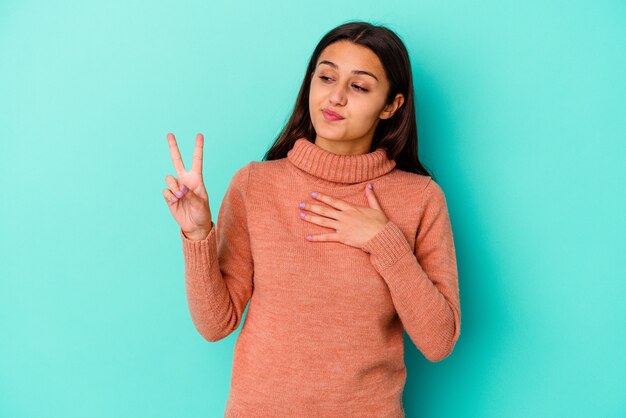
(337, 87)
(186, 196)
(341, 90)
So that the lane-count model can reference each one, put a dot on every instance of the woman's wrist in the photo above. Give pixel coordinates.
(197, 235)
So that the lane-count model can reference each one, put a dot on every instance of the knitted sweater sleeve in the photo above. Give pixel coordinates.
(423, 282)
(219, 268)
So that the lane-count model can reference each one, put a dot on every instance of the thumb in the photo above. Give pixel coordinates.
(371, 197)
(189, 194)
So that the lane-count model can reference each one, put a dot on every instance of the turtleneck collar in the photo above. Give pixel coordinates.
(348, 169)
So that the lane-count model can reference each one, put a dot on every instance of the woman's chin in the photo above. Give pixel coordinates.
(330, 134)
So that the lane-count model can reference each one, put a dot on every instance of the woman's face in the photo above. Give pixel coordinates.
(349, 80)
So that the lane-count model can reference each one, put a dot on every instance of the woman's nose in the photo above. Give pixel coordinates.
(338, 95)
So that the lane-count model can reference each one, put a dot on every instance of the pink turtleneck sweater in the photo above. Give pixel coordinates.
(323, 335)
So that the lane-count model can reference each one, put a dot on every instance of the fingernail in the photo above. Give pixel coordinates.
(179, 193)
(302, 205)
(314, 194)
(173, 199)
(309, 237)
(302, 215)
(185, 189)
(369, 186)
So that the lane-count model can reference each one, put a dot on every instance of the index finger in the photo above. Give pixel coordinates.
(175, 154)
(332, 201)
(196, 164)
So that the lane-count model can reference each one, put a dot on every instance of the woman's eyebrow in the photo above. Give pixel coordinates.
(332, 64)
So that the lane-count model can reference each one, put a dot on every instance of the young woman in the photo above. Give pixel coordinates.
(339, 239)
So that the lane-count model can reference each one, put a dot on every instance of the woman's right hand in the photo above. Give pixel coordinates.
(190, 207)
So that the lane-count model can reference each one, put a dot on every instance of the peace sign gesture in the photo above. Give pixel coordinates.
(187, 197)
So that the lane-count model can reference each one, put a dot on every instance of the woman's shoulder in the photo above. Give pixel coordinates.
(409, 180)
(267, 165)
(267, 170)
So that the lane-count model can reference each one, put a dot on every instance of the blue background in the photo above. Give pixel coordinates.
(521, 118)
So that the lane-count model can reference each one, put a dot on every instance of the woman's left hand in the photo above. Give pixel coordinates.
(354, 224)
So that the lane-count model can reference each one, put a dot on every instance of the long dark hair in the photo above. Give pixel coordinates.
(396, 135)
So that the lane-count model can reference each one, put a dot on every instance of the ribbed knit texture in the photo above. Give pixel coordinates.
(323, 335)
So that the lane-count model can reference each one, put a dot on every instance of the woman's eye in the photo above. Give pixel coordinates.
(325, 78)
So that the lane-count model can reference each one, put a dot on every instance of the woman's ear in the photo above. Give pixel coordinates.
(391, 108)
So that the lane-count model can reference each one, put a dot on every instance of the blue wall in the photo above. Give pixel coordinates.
(521, 118)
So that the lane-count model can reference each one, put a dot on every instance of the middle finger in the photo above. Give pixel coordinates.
(322, 210)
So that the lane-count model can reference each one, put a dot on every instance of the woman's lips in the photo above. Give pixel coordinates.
(331, 116)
